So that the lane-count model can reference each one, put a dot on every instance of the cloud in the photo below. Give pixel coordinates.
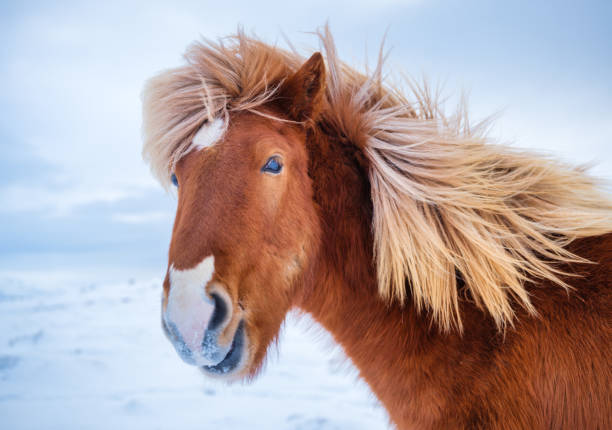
(143, 217)
(56, 203)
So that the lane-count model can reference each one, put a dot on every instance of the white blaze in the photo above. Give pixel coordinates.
(189, 309)
(209, 134)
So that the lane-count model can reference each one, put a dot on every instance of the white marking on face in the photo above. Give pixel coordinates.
(189, 308)
(209, 134)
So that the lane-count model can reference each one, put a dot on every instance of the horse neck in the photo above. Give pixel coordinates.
(393, 347)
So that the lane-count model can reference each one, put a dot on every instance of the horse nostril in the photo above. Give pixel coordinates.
(219, 313)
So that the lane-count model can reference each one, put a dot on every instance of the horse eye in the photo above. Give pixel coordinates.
(174, 180)
(273, 165)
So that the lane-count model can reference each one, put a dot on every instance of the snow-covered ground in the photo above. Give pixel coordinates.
(85, 354)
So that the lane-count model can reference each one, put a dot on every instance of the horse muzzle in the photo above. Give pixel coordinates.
(201, 325)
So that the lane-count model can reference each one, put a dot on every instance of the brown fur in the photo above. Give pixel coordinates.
(304, 239)
(550, 371)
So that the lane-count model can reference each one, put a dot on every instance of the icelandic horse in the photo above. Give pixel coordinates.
(468, 282)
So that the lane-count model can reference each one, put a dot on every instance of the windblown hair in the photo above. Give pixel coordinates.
(449, 205)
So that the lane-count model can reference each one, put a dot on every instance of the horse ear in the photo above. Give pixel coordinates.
(302, 94)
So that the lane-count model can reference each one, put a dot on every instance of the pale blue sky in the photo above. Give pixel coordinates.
(74, 189)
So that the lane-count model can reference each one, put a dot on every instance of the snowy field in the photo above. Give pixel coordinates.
(82, 354)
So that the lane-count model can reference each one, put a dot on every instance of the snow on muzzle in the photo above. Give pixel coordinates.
(192, 319)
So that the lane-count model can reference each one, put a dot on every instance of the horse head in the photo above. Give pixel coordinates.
(245, 231)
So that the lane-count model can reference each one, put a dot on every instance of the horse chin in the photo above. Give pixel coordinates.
(235, 362)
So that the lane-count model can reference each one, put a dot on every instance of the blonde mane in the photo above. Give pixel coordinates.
(447, 202)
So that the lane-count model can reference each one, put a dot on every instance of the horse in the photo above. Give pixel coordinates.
(468, 281)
